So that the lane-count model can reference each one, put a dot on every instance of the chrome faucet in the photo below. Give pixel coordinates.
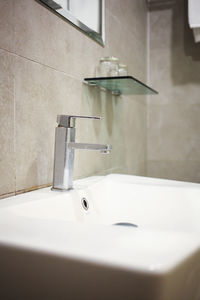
(64, 151)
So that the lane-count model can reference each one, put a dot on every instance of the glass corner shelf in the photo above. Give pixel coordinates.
(125, 85)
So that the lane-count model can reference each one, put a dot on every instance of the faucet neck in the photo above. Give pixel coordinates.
(63, 158)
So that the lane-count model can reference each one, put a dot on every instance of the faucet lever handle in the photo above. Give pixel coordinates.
(68, 121)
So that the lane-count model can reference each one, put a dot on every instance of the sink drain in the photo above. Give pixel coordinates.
(125, 224)
(85, 203)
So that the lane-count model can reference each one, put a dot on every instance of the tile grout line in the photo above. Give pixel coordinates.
(14, 122)
(39, 63)
(14, 110)
(148, 83)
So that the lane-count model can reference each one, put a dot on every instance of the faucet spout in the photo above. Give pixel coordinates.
(85, 146)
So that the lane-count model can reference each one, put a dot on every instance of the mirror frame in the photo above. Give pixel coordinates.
(99, 37)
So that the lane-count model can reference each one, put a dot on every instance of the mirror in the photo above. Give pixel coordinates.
(88, 15)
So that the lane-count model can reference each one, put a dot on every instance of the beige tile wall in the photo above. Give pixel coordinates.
(174, 115)
(43, 60)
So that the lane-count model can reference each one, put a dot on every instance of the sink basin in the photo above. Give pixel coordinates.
(65, 245)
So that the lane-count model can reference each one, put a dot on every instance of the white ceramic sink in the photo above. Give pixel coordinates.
(52, 248)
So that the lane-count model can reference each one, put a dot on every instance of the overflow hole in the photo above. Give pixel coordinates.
(85, 203)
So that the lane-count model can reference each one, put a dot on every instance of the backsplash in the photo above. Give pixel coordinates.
(43, 60)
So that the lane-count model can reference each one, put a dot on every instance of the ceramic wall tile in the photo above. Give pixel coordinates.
(7, 119)
(127, 12)
(173, 115)
(7, 25)
(174, 132)
(176, 170)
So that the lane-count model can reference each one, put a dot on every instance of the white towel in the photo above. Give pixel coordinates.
(194, 18)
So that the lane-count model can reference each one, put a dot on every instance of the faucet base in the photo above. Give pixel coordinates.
(61, 190)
